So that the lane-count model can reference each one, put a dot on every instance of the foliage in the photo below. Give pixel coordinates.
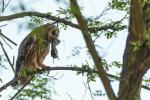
(40, 88)
(114, 27)
(2, 61)
(37, 20)
(147, 81)
(91, 75)
(122, 5)
(99, 93)
(64, 12)
(107, 66)
(136, 45)
(93, 22)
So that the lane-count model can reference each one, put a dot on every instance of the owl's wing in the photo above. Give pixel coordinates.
(24, 48)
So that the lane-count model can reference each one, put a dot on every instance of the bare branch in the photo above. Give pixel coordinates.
(88, 85)
(8, 84)
(6, 55)
(7, 38)
(5, 41)
(103, 12)
(2, 26)
(5, 6)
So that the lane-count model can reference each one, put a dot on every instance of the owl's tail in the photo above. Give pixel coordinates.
(21, 81)
(18, 66)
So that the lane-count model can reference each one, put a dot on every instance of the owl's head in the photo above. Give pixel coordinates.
(53, 32)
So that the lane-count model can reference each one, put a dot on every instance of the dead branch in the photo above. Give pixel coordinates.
(7, 57)
(4, 6)
(7, 38)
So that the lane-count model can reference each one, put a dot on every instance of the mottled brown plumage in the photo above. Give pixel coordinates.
(33, 50)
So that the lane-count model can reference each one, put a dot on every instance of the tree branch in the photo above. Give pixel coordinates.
(69, 69)
(96, 58)
(7, 57)
(12, 98)
(135, 62)
(38, 14)
(8, 84)
(4, 6)
(7, 38)
(54, 18)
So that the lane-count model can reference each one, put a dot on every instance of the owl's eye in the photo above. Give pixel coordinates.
(53, 33)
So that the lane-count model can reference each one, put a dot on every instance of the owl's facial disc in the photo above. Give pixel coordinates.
(53, 34)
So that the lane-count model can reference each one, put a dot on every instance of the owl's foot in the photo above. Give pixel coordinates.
(38, 68)
(42, 66)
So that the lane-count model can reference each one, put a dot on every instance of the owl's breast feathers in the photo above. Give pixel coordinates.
(33, 47)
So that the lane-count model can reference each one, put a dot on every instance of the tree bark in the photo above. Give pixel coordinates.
(136, 59)
(92, 50)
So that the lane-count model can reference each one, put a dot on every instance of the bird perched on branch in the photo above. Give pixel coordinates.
(33, 50)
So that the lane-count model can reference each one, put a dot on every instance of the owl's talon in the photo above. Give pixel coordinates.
(39, 68)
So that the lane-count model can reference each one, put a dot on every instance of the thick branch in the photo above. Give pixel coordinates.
(38, 14)
(54, 18)
(96, 58)
(135, 62)
(69, 69)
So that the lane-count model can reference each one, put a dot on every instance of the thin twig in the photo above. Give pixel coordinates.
(84, 91)
(3, 25)
(5, 6)
(53, 76)
(102, 13)
(97, 36)
(6, 55)
(21, 89)
(8, 38)
(5, 41)
(88, 84)
(13, 63)
(70, 96)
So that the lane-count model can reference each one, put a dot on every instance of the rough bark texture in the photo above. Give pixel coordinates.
(135, 61)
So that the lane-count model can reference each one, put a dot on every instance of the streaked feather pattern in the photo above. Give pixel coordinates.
(33, 50)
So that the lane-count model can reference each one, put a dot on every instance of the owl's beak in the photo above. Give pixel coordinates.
(54, 52)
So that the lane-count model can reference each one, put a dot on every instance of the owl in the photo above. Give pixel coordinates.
(33, 50)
